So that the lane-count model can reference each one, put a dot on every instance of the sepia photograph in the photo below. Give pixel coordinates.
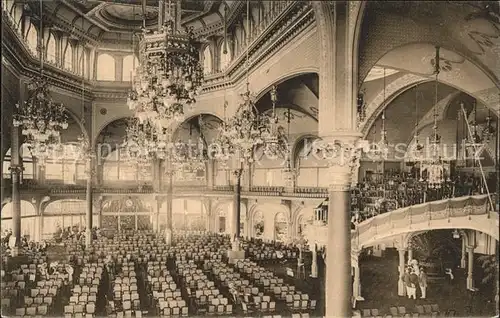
(250, 158)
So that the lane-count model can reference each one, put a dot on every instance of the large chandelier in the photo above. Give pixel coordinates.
(245, 131)
(169, 76)
(40, 118)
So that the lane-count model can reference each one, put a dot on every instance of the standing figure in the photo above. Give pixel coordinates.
(407, 281)
(423, 283)
(414, 283)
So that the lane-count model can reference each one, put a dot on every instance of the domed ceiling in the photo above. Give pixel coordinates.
(111, 18)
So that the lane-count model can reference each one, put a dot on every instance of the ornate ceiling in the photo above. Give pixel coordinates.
(106, 20)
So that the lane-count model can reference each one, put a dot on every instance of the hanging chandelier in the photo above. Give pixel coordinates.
(169, 76)
(288, 172)
(40, 118)
(276, 143)
(248, 129)
(245, 131)
(380, 149)
(434, 164)
(416, 150)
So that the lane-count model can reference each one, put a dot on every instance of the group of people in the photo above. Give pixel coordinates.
(414, 277)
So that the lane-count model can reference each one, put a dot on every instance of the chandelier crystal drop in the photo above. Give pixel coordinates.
(40, 118)
(169, 76)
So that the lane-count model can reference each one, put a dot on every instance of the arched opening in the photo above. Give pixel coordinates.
(28, 219)
(258, 224)
(68, 58)
(129, 62)
(106, 67)
(51, 49)
(225, 58)
(32, 39)
(281, 227)
(207, 60)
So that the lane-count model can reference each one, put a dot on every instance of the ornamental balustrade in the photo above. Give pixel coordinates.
(463, 212)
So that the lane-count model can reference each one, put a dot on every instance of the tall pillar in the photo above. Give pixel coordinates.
(356, 286)
(90, 204)
(170, 189)
(402, 264)
(236, 208)
(470, 267)
(16, 169)
(338, 276)
(463, 259)
(236, 253)
(314, 265)
(210, 173)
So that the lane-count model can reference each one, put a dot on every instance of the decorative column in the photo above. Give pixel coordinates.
(236, 209)
(235, 253)
(170, 191)
(314, 265)
(210, 173)
(16, 169)
(463, 259)
(90, 203)
(338, 276)
(402, 264)
(356, 286)
(470, 267)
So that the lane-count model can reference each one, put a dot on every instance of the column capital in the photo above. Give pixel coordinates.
(470, 247)
(342, 152)
(16, 169)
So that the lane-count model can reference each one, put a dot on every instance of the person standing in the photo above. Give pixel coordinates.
(414, 283)
(423, 283)
(407, 281)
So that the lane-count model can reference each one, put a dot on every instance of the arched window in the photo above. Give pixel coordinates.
(128, 67)
(51, 49)
(280, 227)
(68, 63)
(225, 59)
(83, 63)
(207, 60)
(105, 67)
(32, 39)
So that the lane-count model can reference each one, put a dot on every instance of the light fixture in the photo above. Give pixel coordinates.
(248, 128)
(40, 118)
(416, 149)
(288, 172)
(169, 76)
(380, 149)
(143, 143)
(433, 163)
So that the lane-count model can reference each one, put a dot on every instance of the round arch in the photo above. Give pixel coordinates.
(174, 127)
(460, 71)
(283, 78)
(120, 119)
